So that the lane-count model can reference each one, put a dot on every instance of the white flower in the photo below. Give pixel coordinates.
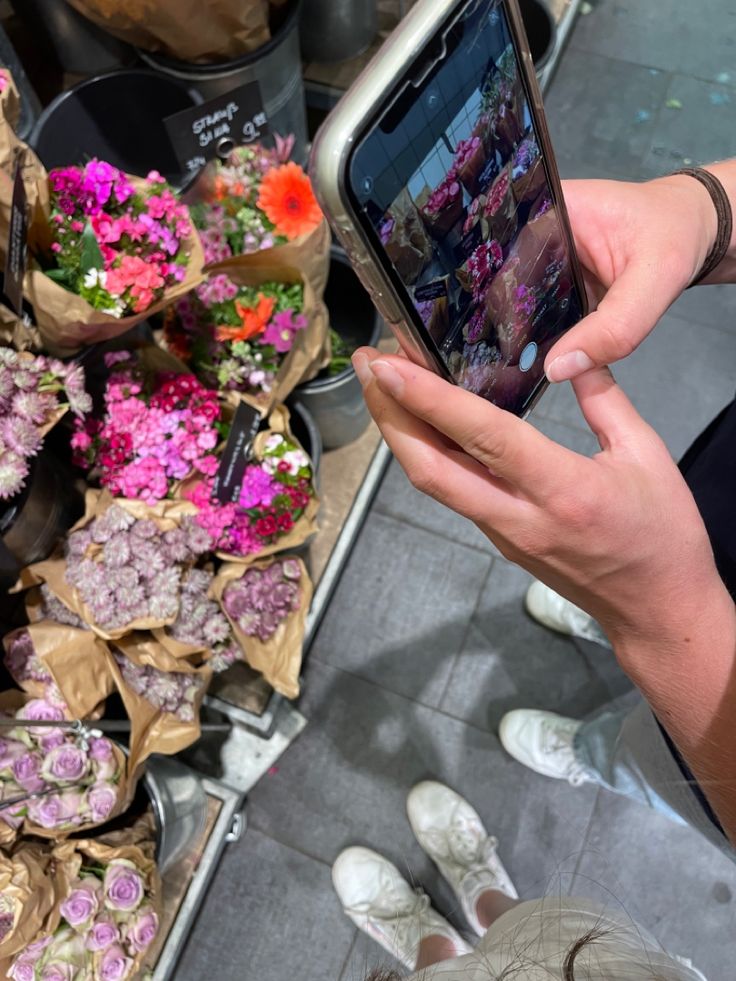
(95, 277)
(296, 460)
(273, 442)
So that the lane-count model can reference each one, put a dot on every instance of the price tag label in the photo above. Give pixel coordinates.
(237, 453)
(216, 127)
(15, 262)
(488, 174)
(431, 291)
(469, 243)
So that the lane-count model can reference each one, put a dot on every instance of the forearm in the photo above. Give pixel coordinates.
(688, 678)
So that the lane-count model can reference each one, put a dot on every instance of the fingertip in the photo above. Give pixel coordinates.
(565, 367)
(362, 365)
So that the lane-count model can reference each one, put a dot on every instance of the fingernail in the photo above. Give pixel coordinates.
(362, 369)
(388, 377)
(569, 366)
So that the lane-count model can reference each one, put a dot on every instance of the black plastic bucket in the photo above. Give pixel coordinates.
(116, 117)
(540, 29)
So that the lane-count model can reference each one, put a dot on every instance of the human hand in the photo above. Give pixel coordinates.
(618, 534)
(640, 246)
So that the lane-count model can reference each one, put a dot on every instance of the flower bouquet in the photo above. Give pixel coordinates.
(76, 784)
(470, 161)
(106, 250)
(162, 695)
(58, 662)
(528, 178)
(267, 605)
(255, 337)
(260, 200)
(435, 314)
(442, 209)
(35, 392)
(108, 916)
(405, 238)
(482, 264)
(158, 427)
(499, 211)
(30, 887)
(122, 564)
(276, 505)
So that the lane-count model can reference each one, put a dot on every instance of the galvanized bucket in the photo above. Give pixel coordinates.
(334, 30)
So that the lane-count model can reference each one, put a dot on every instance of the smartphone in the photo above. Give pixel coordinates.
(437, 175)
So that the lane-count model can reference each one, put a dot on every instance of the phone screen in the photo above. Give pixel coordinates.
(453, 188)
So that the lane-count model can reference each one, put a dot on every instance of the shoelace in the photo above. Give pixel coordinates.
(557, 738)
(402, 927)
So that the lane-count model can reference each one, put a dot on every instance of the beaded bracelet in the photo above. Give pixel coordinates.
(725, 219)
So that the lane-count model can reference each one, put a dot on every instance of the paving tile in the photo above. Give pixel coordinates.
(665, 876)
(269, 915)
(703, 129)
(345, 781)
(679, 379)
(402, 607)
(398, 499)
(593, 133)
(711, 306)
(669, 34)
(509, 661)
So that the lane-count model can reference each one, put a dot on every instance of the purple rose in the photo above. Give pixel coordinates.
(105, 769)
(114, 965)
(80, 906)
(65, 764)
(51, 739)
(22, 969)
(102, 935)
(58, 971)
(100, 749)
(10, 751)
(101, 800)
(26, 771)
(41, 710)
(142, 932)
(56, 810)
(123, 886)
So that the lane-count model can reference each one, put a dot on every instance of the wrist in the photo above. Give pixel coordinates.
(692, 198)
(725, 171)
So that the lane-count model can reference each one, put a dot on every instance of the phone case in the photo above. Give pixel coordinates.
(360, 104)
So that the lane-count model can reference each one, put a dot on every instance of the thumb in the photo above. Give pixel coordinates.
(625, 316)
(606, 407)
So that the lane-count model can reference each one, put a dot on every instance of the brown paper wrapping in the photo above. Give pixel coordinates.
(306, 526)
(15, 332)
(77, 661)
(32, 891)
(188, 30)
(10, 702)
(65, 321)
(166, 515)
(530, 185)
(153, 730)
(310, 352)
(440, 225)
(279, 659)
(409, 247)
(503, 223)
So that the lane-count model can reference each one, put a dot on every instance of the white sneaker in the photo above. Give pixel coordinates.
(451, 833)
(543, 741)
(381, 902)
(554, 611)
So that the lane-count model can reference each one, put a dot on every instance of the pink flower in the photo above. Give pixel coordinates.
(115, 966)
(101, 799)
(142, 932)
(123, 886)
(102, 934)
(65, 764)
(80, 906)
(26, 771)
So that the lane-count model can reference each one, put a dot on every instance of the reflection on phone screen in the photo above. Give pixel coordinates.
(452, 182)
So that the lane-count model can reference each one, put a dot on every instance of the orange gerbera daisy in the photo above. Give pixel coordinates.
(255, 320)
(287, 200)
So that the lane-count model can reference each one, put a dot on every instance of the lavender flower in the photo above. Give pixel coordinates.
(261, 601)
(201, 623)
(171, 692)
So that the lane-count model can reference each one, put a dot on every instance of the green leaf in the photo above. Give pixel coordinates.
(58, 275)
(91, 257)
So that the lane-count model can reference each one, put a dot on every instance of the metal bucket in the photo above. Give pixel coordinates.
(337, 402)
(179, 806)
(276, 66)
(334, 30)
(116, 117)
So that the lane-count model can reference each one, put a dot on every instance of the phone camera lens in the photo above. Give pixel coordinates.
(366, 185)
